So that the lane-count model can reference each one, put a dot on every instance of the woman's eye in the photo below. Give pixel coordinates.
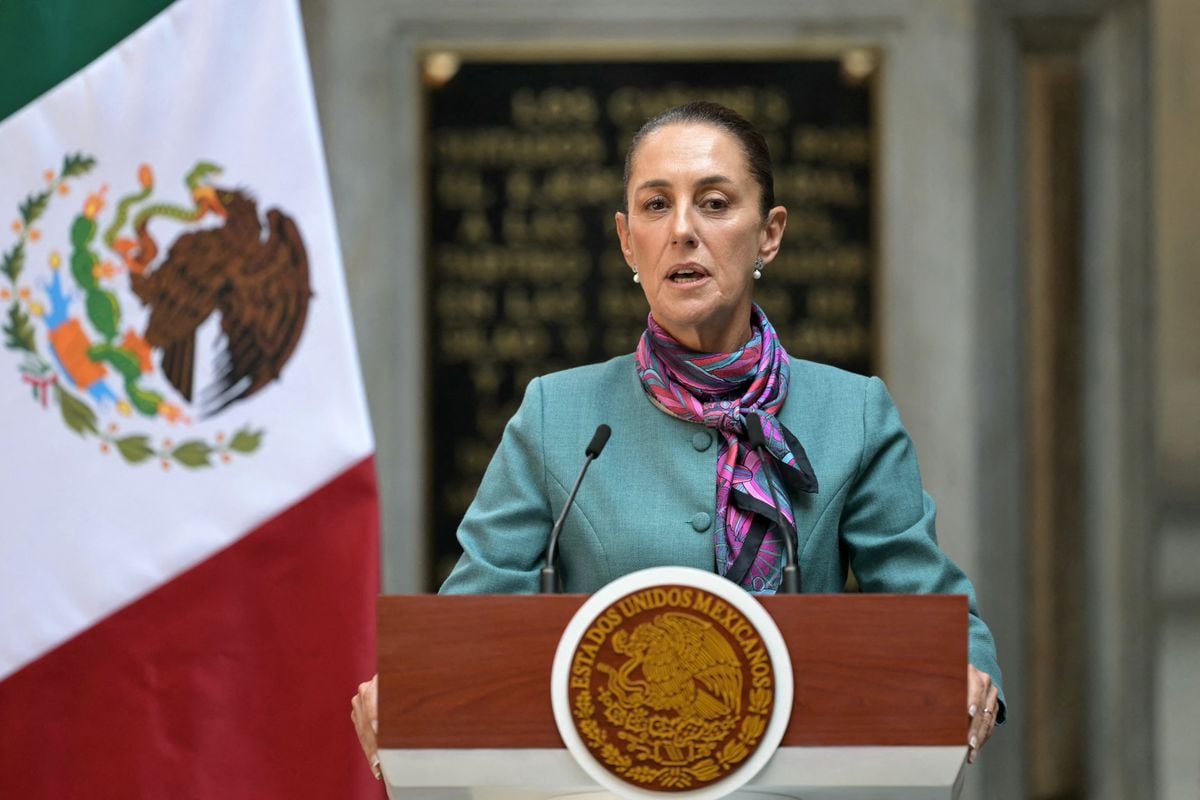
(715, 204)
(657, 204)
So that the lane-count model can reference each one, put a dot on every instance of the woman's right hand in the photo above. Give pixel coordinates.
(364, 711)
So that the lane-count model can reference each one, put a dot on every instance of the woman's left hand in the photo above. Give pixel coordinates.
(983, 704)
(364, 712)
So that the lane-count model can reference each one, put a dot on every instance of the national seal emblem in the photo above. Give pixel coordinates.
(104, 319)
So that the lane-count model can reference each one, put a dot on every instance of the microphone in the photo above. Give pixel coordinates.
(790, 580)
(549, 584)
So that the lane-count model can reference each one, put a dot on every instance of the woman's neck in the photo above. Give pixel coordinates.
(713, 338)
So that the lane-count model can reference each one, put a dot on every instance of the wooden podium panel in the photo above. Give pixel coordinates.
(473, 671)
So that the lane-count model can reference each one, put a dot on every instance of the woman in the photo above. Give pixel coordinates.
(700, 226)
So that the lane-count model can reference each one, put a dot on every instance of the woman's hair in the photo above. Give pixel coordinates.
(754, 146)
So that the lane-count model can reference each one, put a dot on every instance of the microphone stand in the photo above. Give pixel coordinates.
(549, 579)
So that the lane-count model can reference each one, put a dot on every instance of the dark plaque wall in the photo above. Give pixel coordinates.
(525, 275)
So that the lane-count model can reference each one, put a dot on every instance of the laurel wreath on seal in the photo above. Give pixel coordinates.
(39, 373)
(706, 770)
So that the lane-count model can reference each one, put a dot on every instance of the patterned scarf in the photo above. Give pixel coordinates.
(717, 390)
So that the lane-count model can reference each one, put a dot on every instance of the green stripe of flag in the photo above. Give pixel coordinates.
(44, 42)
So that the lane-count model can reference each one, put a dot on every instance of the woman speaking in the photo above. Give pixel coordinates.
(680, 483)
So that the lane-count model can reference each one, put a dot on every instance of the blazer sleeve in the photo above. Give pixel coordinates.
(504, 532)
(888, 527)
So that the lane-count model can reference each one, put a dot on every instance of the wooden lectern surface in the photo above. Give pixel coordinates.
(473, 671)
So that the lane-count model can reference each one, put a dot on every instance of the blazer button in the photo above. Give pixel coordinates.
(701, 441)
(701, 521)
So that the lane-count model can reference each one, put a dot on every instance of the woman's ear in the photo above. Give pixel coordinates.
(623, 235)
(772, 234)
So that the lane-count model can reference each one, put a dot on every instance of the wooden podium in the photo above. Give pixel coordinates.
(879, 707)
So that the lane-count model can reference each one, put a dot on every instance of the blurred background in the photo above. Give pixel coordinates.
(993, 208)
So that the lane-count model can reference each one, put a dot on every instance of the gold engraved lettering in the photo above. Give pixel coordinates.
(557, 303)
(574, 187)
(489, 264)
(542, 226)
(823, 341)
(462, 189)
(554, 106)
(462, 344)
(800, 183)
(623, 303)
(505, 147)
(777, 305)
(832, 301)
(546, 304)
(486, 377)
(510, 342)
(848, 262)
(615, 271)
(812, 225)
(629, 106)
(774, 107)
(474, 228)
(518, 188)
(458, 302)
(836, 145)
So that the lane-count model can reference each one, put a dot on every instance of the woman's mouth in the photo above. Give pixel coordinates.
(686, 274)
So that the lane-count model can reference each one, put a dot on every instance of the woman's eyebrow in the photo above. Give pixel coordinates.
(663, 183)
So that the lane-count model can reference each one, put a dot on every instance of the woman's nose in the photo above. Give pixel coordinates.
(683, 227)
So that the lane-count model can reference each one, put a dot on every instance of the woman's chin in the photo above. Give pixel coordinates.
(704, 325)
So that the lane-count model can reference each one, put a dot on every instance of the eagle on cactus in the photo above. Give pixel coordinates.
(250, 269)
(255, 276)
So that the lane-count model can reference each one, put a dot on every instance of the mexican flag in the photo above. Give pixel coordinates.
(188, 511)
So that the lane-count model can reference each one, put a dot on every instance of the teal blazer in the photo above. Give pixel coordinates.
(649, 499)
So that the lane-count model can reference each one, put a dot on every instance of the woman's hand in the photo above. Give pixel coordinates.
(983, 704)
(364, 711)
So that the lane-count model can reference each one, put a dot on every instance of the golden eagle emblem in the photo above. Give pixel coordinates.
(678, 663)
(666, 696)
(256, 279)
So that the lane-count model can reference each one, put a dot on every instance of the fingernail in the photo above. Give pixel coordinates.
(972, 709)
(974, 742)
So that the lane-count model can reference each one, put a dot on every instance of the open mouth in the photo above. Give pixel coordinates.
(686, 275)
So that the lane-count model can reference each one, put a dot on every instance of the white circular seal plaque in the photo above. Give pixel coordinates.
(672, 681)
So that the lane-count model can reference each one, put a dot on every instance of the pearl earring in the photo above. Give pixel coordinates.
(758, 267)
(636, 278)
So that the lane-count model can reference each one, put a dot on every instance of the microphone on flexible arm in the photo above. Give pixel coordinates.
(790, 581)
(549, 583)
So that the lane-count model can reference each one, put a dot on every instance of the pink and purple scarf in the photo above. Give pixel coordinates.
(716, 390)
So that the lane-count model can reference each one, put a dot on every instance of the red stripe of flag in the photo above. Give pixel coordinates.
(231, 681)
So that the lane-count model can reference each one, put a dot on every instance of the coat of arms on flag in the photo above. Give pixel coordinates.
(95, 355)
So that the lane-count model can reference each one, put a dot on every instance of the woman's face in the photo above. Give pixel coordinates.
(693, 231)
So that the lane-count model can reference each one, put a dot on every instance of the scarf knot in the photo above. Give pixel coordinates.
(718, 390)
(727, 419)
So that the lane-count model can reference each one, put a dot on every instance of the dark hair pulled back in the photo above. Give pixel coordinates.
(758, 156)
